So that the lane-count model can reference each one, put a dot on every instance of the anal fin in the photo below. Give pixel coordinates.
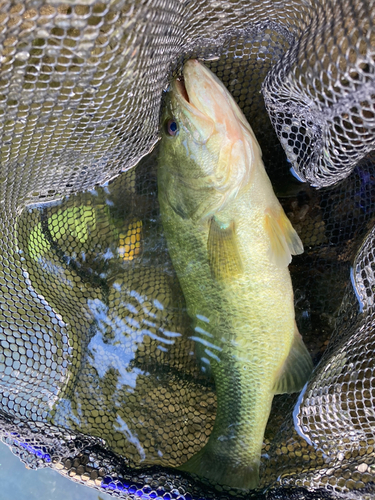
(296, 369)
(284, 240)
(223, 254)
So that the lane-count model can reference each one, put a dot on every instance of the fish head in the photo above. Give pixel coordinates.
(210, 145)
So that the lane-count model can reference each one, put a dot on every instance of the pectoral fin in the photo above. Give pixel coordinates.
(223, 254)
(284, 241)
(297, 367)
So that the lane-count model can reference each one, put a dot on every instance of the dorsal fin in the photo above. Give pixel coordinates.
(284, 240)
(296, 369)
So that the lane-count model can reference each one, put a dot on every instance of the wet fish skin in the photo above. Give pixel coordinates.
(230, 243)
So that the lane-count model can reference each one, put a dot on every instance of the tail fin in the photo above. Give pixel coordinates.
(223, 470)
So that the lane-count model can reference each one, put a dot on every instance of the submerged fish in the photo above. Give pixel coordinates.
(230, 243)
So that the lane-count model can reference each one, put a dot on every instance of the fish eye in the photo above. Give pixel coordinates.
(172, 127)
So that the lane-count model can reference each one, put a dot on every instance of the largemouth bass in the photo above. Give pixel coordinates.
(230, 243)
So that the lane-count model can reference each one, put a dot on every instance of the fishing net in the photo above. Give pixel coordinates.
(98, 374)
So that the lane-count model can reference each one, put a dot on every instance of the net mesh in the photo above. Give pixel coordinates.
(97, 369)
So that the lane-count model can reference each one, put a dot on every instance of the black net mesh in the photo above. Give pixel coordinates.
(97, 369)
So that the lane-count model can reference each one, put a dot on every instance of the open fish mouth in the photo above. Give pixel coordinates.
(181, 89)
(186, 106)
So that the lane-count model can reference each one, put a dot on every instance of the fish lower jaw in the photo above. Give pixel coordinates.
(221, 470)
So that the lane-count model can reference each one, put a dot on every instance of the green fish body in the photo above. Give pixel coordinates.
(230, 243)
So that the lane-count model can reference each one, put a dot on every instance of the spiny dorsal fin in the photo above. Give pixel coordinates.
(296, 369)
(284, 241)
(223, 255)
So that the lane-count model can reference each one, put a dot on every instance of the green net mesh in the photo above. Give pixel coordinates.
(98, 374)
